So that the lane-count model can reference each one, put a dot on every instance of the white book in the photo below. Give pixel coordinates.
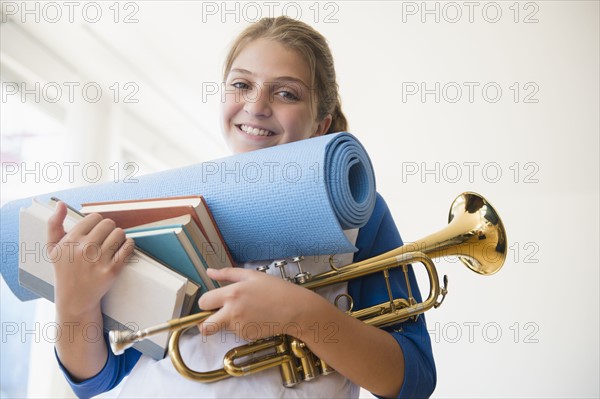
(146, 292)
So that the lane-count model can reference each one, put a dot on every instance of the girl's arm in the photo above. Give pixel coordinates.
(380, 361)
(366, 355)
(86, 261)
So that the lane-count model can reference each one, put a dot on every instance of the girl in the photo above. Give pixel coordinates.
(280, 87)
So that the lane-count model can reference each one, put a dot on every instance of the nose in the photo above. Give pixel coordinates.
(257, 102)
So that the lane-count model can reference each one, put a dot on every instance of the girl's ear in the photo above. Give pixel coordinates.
(323, 126)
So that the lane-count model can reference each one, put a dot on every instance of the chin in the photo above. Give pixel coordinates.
(238, 148)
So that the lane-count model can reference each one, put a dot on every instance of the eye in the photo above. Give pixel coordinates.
(288, 95)
(240, 85)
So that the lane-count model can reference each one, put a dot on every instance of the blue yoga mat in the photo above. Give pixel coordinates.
(282, 201)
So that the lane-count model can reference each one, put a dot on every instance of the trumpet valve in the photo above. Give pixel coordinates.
(290, 375)
(263, 268)
(308, 360)
(281, 266)
(325, 368)
(302, 276)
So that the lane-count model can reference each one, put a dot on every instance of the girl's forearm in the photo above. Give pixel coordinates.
(81, 347)
(368, 356)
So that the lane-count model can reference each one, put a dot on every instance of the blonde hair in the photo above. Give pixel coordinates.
(313, 47)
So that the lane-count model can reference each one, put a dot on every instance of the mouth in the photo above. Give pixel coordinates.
(254, 131)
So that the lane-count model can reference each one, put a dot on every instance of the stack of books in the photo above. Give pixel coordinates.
(176, 240)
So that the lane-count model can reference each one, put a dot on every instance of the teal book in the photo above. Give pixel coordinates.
(171, 245)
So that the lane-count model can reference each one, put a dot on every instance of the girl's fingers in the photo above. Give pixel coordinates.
(119, 259)
(101, 231)
(232, 274)
(56, 231)
(85, 225)
(213, 299)
(112, 243)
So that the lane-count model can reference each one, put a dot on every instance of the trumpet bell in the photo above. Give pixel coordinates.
(482, 245)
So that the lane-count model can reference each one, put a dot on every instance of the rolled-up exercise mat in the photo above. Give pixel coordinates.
(288, 200)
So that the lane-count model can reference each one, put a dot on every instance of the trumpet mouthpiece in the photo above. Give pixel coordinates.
(121, 340)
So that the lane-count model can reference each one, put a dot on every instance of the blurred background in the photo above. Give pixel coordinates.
(500, 98)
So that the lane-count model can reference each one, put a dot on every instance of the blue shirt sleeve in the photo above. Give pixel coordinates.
(378, 236)
(115, 369)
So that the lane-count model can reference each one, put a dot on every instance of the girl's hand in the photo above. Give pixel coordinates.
(256, 306)
(86, 261)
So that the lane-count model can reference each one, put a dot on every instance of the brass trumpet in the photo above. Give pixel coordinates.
(475, 234)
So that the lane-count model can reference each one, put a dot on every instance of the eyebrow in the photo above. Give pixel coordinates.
(277, 79)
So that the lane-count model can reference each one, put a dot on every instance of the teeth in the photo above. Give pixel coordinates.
(255, 131)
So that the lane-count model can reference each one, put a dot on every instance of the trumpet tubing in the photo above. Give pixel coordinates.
(475, 234)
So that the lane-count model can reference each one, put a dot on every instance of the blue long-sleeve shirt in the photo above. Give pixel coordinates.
(379, 235)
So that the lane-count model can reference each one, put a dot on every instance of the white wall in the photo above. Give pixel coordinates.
(529, 331)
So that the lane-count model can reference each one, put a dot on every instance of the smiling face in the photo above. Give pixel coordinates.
(268, 100)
